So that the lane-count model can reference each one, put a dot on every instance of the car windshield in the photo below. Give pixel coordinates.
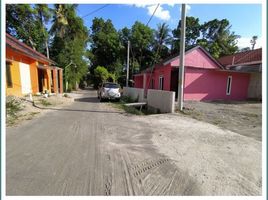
(111, 85)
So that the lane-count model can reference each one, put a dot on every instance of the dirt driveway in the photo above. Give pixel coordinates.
(90, 148)
(244, 118)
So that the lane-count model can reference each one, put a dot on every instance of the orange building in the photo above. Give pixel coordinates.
(28, 71)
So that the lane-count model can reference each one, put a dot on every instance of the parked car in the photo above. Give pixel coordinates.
(109, 91)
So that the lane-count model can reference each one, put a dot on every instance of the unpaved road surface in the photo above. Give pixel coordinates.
(90, 148)
(241, 117)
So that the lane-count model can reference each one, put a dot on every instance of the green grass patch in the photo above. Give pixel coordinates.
(127, 109)
(66, 95)
(130, 109)
(31, 115)
(13, 106)
(45, 102)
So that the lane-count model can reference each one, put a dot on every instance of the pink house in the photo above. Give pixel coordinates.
(205, 78)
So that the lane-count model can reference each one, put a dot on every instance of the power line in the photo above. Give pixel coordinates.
(96, 10)
(153, 14)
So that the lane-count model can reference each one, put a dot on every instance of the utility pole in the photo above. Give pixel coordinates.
(65, 74)
(127, 78)
(182, 51)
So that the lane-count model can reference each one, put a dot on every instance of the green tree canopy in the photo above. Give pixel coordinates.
(192, 32)
(162, 41)
(141, 42)
(215, 36)
(27, 23)
(105, 44)
(70, 38)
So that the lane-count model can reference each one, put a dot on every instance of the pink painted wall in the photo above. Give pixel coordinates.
(203, 80)
(197, 58)
(158, 71)
(164, 72)
(211, 85)
(138, 81)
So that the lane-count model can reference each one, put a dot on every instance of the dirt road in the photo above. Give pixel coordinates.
(90, 148)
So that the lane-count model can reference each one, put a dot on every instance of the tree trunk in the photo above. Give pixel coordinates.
(32, 43)
(47, 49)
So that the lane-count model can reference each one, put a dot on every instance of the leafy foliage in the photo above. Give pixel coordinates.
(215, 36)
(28, 24)
(101, 74)
(162, 39)
(68, 48)
(192, 32)
(101, 54)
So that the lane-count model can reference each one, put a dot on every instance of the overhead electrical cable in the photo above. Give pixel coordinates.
(94, 11)
(153, 14)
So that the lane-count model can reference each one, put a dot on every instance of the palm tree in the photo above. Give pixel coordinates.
(253, 41)
(60, 19)
(162, 40)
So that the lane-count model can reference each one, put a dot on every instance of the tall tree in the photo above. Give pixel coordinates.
(162, 41)
(192, 33)
(253, 41)
(217, 38)
(105, 45)
(68, 47)
(22, 22)
(141, 42)
(60, 21)
(43, 16)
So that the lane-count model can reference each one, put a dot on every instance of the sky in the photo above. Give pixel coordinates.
(244, 18)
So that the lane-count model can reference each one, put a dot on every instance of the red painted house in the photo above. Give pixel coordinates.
(205, 78)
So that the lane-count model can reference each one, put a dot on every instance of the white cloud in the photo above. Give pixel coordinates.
(160, 13)
(245, 42)
(171, 4)
(142, 5)
(188, 8)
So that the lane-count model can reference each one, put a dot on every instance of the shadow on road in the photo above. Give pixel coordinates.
(78, 110)
(88, 99)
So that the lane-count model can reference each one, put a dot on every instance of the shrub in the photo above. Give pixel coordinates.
(45, 102)
(13, 105)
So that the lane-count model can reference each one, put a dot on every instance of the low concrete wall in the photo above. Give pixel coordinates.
(162, 100)
(134, 93)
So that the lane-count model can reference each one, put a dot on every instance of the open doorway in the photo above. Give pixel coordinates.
(174, 81)
(41, 77)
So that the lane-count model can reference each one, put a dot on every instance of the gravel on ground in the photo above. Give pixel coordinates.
(91, 148)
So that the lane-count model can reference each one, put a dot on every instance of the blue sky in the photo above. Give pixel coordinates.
(244, 18)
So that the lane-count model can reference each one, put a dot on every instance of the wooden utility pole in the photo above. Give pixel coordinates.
(182, 51)
(127, 78)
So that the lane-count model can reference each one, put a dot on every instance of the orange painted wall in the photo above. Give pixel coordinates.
(34, 77)
(15, 58)
(15, 77)
(47, 81)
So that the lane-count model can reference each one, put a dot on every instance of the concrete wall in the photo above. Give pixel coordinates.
(255, 85)
(134, 93)
(162, 100)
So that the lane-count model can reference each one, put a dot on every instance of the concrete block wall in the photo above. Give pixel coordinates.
(134, 93)
(162, 100)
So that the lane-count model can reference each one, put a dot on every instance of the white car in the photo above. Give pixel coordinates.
(109, 91)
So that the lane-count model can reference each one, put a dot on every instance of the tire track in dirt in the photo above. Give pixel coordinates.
(92, 150)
